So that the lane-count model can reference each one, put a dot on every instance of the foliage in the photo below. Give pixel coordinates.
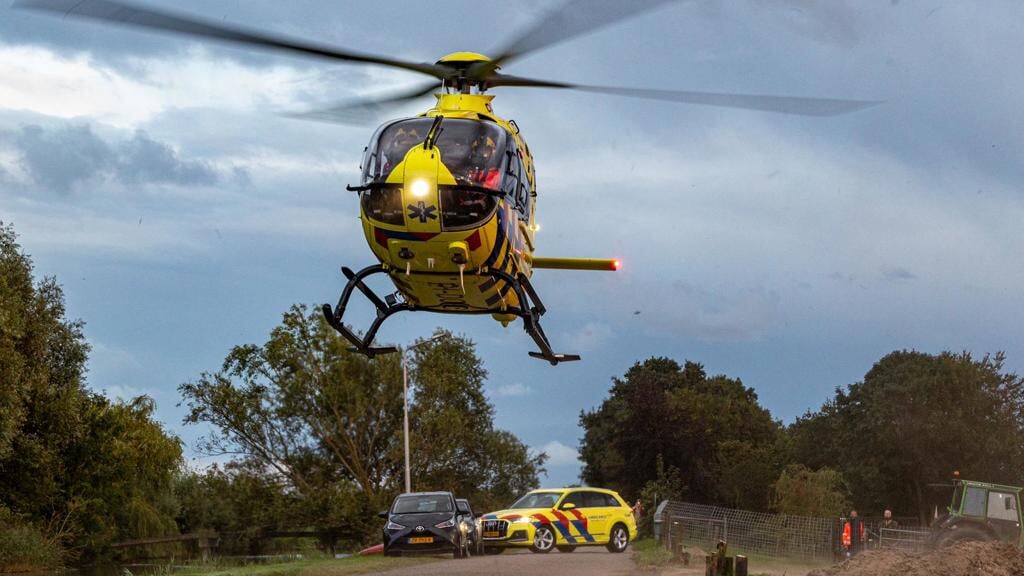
(743, 470)
(667, 484)
(464, 453)
(914, 419)
(800, 491)
(695, 423)
(24, 547)
(90, 470)
(649, 553)
(42, 400)
(326, 423)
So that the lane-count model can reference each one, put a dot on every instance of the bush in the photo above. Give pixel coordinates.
(24, 548)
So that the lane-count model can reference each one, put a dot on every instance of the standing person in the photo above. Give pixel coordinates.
(638, 511)
(853, 534)
(888, 522)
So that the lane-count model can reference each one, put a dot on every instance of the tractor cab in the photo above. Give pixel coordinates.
(981, 511)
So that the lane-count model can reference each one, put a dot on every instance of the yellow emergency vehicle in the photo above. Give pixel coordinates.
(561, 518)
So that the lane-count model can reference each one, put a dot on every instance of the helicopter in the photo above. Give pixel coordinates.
(448, 198)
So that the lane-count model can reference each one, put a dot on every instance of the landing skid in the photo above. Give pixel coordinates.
(530, 313)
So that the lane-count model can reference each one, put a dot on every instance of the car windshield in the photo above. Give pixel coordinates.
(537, 500)
(422, 504)
(470, 149)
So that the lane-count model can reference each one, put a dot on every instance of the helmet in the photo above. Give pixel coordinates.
(483, 147)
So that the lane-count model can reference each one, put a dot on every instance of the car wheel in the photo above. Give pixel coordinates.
(619, 539)
(543, 540)
(566, 548)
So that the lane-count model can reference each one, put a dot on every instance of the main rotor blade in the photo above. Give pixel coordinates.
(571, 19)
(361, 111)
(781, 104)
(126, 14)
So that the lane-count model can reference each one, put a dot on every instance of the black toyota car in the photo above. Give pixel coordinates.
(424, 523)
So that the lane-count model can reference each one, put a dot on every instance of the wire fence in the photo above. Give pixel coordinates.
(775, 535)
(770, 535)
(907, 539)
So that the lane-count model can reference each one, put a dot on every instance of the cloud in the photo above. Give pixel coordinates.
(62, 157)
(144, 160)
(58, 159)
(560, 455)
(514, 389)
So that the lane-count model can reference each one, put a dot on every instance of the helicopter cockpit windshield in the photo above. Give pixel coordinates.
(470, 149)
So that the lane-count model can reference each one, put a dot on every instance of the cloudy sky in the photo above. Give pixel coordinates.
(159, 181)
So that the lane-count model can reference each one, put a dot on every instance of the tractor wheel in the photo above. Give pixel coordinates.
(619, 539)
(543, 540)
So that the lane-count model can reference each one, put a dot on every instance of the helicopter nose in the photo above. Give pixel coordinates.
(420, 191)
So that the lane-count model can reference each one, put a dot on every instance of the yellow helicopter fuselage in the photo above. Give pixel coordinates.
(440, 263)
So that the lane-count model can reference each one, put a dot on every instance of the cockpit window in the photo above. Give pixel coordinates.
(390, 146)
(384, 205)
(462, 208)
(472, 150)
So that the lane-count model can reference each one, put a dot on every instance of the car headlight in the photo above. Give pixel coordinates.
(446, 524)
(521, 520)
(392, 526)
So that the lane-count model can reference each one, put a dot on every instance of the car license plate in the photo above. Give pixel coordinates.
(490, 534)
(421, 540)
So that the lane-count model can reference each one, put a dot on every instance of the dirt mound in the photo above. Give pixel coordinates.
(963, 559)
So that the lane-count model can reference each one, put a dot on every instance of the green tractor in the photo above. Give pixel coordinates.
(980, 512)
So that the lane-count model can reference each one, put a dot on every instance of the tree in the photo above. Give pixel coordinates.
(42, 399)
(914, 419)
(666, 485)
(94, 470)
(801, 491)
(695, 423)
(455, 443)
(121, 474)
(328, 422)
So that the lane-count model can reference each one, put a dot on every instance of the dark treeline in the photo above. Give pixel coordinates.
(674, 431)
(312, 436)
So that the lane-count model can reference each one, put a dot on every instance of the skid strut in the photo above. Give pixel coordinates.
(530, 309)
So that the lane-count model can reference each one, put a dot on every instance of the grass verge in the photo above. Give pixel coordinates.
(307, 567)
(648, 553)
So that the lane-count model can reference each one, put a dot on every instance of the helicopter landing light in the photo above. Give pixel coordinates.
(420, 188)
